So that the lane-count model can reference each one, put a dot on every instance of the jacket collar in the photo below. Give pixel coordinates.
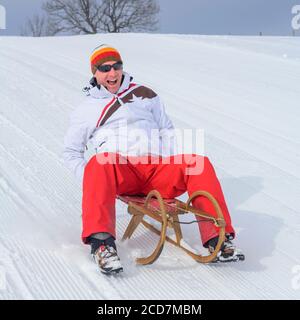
(102, 92)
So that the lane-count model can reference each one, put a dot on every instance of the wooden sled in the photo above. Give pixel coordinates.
(166, 211)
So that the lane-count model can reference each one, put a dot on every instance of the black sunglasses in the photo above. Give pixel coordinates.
(107, 67)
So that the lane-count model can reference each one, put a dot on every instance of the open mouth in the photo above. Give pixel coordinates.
(112, 82)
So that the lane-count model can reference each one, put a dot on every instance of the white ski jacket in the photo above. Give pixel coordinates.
(131, 122)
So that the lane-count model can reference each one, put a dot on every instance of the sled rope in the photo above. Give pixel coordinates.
(193, 221)
(211, 219)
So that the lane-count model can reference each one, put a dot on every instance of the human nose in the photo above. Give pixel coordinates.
(112, 71)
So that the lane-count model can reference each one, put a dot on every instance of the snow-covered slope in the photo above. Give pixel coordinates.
(243, 91)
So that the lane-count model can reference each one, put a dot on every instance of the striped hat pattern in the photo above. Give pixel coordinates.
(103, 54)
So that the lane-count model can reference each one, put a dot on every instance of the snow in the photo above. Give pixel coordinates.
(242, 91)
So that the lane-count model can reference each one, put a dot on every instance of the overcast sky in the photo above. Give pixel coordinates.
(237, 17)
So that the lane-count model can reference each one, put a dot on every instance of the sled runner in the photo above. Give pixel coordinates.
(166, 212)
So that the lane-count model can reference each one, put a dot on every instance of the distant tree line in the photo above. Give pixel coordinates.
(93, 16)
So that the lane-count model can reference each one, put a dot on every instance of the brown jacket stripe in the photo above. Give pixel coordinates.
(140, 92)
(110, 112)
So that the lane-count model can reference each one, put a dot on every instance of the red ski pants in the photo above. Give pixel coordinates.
(109, 174)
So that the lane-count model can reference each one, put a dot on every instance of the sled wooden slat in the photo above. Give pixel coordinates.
(166, 211)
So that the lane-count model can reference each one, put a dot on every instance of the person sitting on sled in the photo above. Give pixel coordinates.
(114, 102)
